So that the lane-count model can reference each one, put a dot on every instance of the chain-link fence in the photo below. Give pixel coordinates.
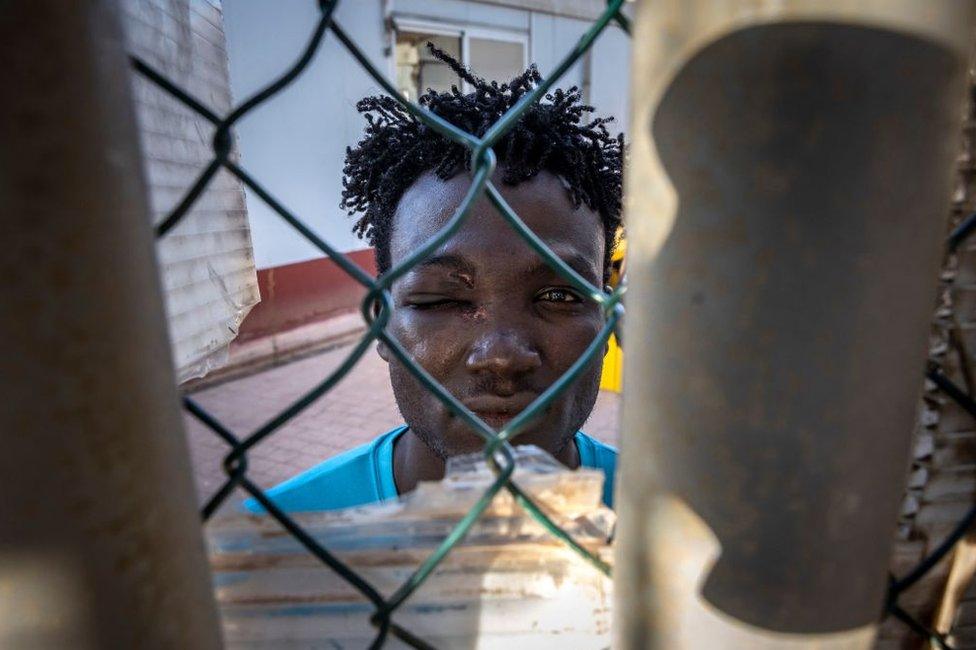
(376, 308)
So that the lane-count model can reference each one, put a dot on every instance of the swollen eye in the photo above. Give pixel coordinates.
(423, 304)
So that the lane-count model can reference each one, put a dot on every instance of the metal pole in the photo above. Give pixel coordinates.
(100, 544)
(790, 168)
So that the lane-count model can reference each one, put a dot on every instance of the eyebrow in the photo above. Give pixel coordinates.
(460, 267)
(448, 261)
(575, 261)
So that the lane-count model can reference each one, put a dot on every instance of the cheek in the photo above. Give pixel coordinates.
(582, 395)
(436, 344)
(567, 343)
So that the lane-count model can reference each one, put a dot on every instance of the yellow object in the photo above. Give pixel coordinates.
(618, 261)
(613, 367)
(613, 362)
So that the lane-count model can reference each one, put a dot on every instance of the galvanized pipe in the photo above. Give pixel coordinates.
(790, 171)
(100, 544)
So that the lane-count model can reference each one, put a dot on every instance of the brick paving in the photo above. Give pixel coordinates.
(356, 410)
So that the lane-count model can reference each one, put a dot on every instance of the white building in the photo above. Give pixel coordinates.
(296, 142)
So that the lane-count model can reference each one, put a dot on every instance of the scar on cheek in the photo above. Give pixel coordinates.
(476, 314)
(464, 278)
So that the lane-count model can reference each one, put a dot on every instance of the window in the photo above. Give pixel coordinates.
(417, 70)
(494, 59)
(494, 55)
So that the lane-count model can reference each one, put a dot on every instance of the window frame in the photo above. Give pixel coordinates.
(399, 23)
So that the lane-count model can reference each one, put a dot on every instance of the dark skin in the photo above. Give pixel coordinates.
(491, 321)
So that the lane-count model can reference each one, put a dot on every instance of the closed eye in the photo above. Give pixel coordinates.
(432, 303)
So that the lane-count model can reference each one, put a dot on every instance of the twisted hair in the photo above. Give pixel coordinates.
(551, 135)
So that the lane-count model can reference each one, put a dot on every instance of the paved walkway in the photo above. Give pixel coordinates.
(360, 407)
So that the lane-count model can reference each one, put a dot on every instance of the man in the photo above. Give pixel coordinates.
(484, 315)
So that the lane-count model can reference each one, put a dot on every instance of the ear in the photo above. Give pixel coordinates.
(382, 348)
(384, 351)
(606, 348)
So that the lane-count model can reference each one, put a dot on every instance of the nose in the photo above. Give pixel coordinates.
(504, 354)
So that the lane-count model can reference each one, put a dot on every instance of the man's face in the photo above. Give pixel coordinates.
(487, 318)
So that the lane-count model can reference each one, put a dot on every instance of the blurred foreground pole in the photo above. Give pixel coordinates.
(100, 544)
(790, 172)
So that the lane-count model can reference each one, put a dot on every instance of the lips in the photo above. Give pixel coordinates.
(495, 420)
(498, 411)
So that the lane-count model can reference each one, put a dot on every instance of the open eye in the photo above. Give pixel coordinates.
(559, 296)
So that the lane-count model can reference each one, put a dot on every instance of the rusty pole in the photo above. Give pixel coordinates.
(100, 544)
(790, 171)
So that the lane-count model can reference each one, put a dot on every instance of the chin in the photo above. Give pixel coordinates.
(464, 442)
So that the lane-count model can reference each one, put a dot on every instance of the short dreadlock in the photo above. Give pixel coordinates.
(551, 135)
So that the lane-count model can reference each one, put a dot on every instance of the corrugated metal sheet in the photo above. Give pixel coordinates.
(206, 262)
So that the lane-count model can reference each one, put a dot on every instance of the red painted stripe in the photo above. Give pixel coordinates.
(304, 292)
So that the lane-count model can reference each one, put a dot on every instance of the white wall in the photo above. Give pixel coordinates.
(295, 143)
(610, 76)
(207, 270)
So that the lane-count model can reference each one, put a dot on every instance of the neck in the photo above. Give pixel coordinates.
(413, 461)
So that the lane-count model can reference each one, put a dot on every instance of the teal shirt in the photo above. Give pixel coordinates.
(365, 475)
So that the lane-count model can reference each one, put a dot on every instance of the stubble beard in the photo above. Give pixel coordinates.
(406, 385)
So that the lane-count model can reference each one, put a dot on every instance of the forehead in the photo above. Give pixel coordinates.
(543, 203)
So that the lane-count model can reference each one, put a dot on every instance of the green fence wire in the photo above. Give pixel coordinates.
(377, 305)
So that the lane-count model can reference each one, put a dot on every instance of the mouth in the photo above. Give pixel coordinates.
(498, 411)
(495, 420)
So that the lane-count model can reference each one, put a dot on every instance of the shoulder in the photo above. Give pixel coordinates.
(598, 455)
(352, 478)
(594, 453)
